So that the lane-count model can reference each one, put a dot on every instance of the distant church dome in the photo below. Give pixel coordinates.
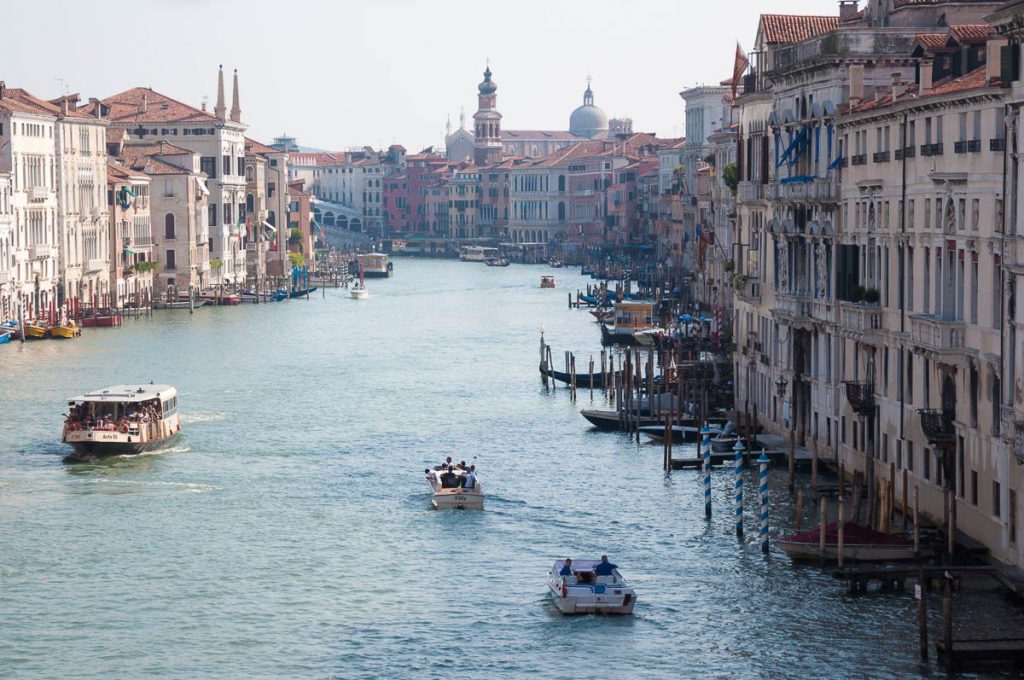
(588, 120)
(488, 86)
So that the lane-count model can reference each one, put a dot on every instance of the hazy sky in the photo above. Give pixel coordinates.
(343, 73)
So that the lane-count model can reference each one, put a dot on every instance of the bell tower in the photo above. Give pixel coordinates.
(487, 123)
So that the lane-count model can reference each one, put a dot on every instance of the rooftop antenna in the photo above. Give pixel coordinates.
(63, 85)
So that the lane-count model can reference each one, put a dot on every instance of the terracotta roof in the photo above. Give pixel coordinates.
(784, 29)
(116, 135)
(17, 100)
(149, 158)
(252, 146)
(126, 107)
(971, 32)
(159, 148)
(540, 135)
(118, 173)
(931, 41)
(969, 81)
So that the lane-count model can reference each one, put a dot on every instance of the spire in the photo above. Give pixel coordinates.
(462, 118)
(236, 112)
(588, 95)
(219, 109)
(448, 128)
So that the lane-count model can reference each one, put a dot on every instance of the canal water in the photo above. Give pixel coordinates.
(289, 533)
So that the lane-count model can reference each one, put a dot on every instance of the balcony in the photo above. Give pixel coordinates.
(38, 194)
(931, 149)
(750, 191)
(860, 159)
(861, 396)
(997, 144)
(937, 334)
(880, 157)
(203, 267)
(862, 318)
(967, 146)
(793, 307)
(95, 264)
(5, 277)
(41, 251)
(813, 189)
(937, 426)
(905, 152)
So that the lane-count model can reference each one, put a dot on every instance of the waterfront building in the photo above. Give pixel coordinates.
(267, 199)
(300, 217)
(180, 208)
(464, 202)
(350, 186)
(218, 139)
(8, 296)
(869, 301)
(405, 193)
(131, 234)
(28, 154)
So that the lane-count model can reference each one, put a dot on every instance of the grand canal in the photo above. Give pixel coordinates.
(289, 533)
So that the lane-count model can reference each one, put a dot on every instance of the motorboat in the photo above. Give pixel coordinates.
(358, 291)
(36, 330)
(121, 420)
(66, 330)
(496, 262)
(477, 253)
(860, 544)
(5, 336)
(585, 592)
(547, 282)
(457, 498)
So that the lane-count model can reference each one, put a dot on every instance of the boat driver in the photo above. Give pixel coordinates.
(604, 567)
(566, 568)
(449, 480)
(469, 479)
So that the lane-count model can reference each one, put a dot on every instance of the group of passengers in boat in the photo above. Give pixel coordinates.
(455, 475)
(602, 568)
(79, 417)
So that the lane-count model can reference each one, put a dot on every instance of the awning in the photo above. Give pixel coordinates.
(269, 226)
(792, 145)
(202, 186)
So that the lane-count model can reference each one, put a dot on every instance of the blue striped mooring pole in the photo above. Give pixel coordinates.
(738, 448)
(762, 462)
(707, 470)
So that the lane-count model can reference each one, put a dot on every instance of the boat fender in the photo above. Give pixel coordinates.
(565, 590)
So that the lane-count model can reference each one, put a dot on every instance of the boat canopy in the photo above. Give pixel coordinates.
(128, 393)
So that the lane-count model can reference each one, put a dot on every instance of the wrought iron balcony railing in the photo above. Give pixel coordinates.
(937, 426)
(861, 396)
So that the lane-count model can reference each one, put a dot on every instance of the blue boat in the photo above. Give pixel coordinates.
(5, 336)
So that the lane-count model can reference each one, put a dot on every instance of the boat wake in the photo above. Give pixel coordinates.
(187, 487)
(204, 416)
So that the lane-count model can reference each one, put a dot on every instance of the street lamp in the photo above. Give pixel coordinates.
(780, 386)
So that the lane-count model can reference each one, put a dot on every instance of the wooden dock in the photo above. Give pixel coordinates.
(776, 456)
(976, 653)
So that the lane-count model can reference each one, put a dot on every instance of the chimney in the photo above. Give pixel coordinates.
(897, 88)
(856, 84)
(925, 79)
(3, 86)
(236, 112)
(220, 110)
(993, 59)
(98, 106)
(847, 8)
(145, 105)
(64, 105)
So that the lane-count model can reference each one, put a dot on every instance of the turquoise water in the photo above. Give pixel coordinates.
(289, 533)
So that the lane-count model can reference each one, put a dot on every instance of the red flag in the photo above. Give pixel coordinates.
(738, 68)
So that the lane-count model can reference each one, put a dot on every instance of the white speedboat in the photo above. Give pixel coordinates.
(456, 498)
(121, 420)
(358, 291)
(584, 592)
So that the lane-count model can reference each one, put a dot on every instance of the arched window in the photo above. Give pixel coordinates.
(271, 218)
(248, 174)
(250, 203)
(169, 226)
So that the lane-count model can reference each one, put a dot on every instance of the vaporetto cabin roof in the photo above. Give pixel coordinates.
(128, 393)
